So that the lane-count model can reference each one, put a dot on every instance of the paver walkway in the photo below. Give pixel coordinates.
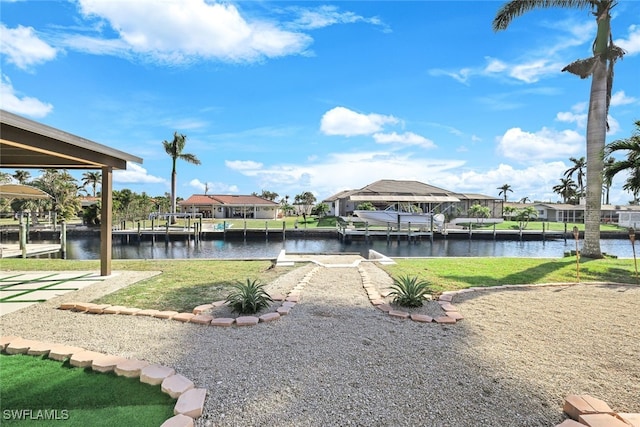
(22, 289)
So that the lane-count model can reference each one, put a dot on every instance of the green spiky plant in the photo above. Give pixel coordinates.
(249, 297)
(409, 291)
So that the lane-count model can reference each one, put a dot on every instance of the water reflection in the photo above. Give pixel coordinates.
(89, 248)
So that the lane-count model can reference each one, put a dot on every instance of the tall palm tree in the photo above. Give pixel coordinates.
(566, 189)
(21, 176)
(174, 150)
(578, 169)
(504, 190)
(93, 179)
(631, 164)
(600, 68)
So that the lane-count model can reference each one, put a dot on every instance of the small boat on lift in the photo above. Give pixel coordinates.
(395, 214)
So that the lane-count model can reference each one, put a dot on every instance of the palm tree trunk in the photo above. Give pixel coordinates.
(174, 177)
(596, 134)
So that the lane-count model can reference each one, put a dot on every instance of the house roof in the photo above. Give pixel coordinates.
(389, 190)
(19, 191)
(227, 200)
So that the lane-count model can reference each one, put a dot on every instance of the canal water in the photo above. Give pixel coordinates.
(84, 248)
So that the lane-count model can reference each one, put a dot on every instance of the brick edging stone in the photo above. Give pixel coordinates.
(190, 400)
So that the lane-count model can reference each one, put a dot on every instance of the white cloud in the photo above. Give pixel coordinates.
(632, 43)
(213, 187)
(533, 71)
(326, 15)
(185, 31)
(243, 165)
(23, 47)
(620, 98)
(545, 144)
(25, 105)
(345, 122)
(407, 138)
(135, 174)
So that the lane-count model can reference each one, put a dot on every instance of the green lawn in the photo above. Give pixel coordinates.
(185, 284)
(75, 396)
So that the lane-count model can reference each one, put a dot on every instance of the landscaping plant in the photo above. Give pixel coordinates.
(409, 291)
(249, 297)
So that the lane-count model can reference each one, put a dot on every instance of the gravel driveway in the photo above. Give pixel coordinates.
(335, 360)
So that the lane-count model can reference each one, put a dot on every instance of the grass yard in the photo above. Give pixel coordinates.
(185, 284)
(75, 396)
(447, 274)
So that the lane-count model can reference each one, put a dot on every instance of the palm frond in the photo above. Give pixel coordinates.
(515, 8)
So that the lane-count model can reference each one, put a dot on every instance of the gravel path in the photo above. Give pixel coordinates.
(336, 360)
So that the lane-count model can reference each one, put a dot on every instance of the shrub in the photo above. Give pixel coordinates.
(249, 297)
(409, 291)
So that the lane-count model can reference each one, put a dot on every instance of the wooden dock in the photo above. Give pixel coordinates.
(12, 250)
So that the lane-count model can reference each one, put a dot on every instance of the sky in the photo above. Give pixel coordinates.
(296, 96)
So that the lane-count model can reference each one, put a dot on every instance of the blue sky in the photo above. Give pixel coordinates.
(298, 96)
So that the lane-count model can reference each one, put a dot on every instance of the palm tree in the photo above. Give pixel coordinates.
(579, 165)
(525, 199)
(21, 176)
(174, 150)
(566, 189)
(600, 68)
(504, 190)
(93, 179)
(607, 180)
(631, 164)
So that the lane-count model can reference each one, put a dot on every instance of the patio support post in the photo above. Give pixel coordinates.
(105, 223)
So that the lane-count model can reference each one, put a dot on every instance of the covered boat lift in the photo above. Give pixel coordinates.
(26, 144)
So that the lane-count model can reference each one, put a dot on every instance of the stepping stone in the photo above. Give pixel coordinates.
(269, 317)
(288, 304)
(421, 318)
(98, 308)
(447, 306)
(40, 348)
(378, 301)
(202, 308)
(83, 306)
(147, 312)
(455, 315)
(191, 403)
(178, 421)
(570, 423)
(183, 317)
(61, 352)
(293, 298)
(247, 321)
(130, 368)
(155, 374)
(106, 363)
(19, 346)
(399, 314)
(283, 311)
(222, 321)
(384, 307)
(67, 306)
(219, 303)
(446, 298)
(445, 319)
(6, 340)
(631, 419)
(166, 314)
(278, 297)
(175, 385)
(114, 309)
(202, 319)
(576, 405)
(84, 359)
(131, 311)
(601, 420)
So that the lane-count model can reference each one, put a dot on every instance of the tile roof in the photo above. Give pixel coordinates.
(226, 199)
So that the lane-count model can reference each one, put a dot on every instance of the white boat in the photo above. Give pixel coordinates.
(391, 216)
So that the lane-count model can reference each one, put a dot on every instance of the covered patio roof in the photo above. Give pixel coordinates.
(26, 144)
